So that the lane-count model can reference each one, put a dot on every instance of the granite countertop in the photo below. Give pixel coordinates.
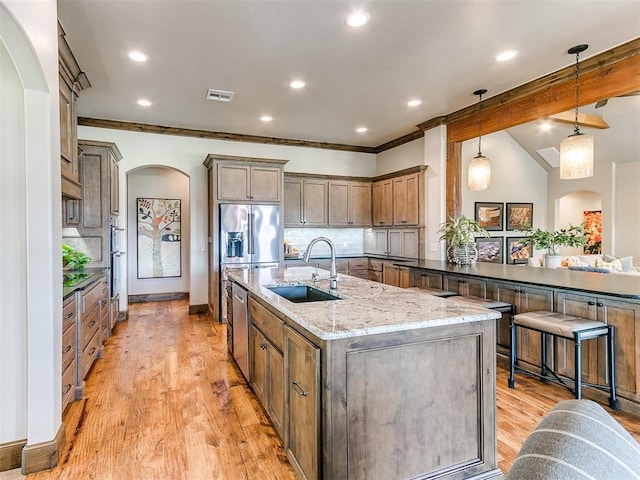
(613, 284)
(74, 280)
(366, 307)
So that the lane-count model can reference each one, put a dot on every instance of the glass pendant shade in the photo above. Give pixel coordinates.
(576, 157)
(479, 173)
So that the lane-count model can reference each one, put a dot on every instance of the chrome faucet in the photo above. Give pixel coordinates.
(333, 274)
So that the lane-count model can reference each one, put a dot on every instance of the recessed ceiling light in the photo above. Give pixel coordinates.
(545, 126)
(362, 129)
(137, 56)
(414, 103)
(266, 118)
(357, 19)
(297, 84)
(144, 103)
(506, 55)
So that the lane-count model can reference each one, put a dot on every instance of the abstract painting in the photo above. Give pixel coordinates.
(159, 248)
(593, 231)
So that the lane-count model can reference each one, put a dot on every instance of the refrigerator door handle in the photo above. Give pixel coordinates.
(251, 233)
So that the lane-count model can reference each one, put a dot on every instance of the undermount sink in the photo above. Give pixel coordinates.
(303, 293)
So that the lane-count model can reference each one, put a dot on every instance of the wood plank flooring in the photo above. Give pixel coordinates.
(167, 402)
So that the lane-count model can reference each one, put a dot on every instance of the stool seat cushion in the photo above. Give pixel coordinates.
(483, 302)
(433, 291)
(577, 440)
(557, 323)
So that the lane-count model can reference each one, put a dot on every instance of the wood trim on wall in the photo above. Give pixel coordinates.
(45, 455)
(11, 455)
(158, 297)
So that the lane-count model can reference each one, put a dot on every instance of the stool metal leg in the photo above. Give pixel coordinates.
(578, 365)
(543, 354)
(611, 364)
(512, 351)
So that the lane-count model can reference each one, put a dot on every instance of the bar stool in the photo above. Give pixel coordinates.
(571, 328)
(433, 291)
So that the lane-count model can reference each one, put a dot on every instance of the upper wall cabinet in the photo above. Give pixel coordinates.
(253, 183)
(305, 202)
(349, 203)
(399, 198)
(72, 80)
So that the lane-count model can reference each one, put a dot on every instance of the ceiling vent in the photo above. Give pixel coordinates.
(551, 155)
(219, 95)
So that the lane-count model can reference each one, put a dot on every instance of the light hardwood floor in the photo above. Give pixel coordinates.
(166, 402)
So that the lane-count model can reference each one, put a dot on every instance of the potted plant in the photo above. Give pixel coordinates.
(460, 234)
(73, 259)
(573, 236)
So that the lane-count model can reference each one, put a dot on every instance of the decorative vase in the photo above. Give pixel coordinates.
(552, 261)
(463, 254)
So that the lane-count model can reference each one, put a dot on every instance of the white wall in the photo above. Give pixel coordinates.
(627, 211)
(187, 155)
(157, 182)
(515, 178)
(401, 157)
(28, 29)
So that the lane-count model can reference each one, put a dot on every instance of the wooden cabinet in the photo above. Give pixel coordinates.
(266, 340)
(625, 317)
(100, 197)
(305, 202)
(255, 183)
(89, 332)
(69, 351)
(382, 203)
(395, 275)
(397, 242)
(464, 285)
(72, 80)
(358, 267)
(105, 321)
(302, 436)
(526, 299)
(425, 279)
(406, 200)
(349, 203)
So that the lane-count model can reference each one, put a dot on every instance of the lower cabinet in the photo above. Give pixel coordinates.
(302, 437)
(465, 285)
(394, 275)
(69, 362)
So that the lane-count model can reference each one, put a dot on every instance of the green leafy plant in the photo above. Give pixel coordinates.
(574, 236)
(461, 231)
(73, 259)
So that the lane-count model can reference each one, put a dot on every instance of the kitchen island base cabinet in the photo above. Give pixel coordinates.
(302, 438)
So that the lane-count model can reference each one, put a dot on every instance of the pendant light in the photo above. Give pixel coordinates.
(479, 173)
(576, 151)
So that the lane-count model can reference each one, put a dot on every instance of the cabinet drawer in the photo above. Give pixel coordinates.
(89, 354)
(91, 299)
(361, 264)
(271, 326)
(69, 313)
(68, 384)
(68, 347)
(375, 276)
(90, 326)
(375, 264)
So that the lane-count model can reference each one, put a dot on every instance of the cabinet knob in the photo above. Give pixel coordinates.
(68, 315)
(67, 387)
(263, 346)
(600, 304)
(299, 390)
(69, 347)
(591, 303)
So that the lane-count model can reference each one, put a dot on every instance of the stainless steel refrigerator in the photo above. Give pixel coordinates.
(249, 238)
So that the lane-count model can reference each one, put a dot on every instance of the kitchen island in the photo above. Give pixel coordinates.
(383, 383)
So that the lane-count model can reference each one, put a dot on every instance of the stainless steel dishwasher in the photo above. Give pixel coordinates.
(240, 329)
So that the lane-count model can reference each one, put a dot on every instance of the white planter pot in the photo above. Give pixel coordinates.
(552, 261)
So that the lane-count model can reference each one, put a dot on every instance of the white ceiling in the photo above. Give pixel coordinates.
(439, 51)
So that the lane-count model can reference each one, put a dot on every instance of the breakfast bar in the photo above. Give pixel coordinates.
(374, 382)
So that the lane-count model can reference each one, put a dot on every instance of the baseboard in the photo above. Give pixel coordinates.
(11, 455)
(43, 456)
(203, 308)
(123, 315)
(158, 297)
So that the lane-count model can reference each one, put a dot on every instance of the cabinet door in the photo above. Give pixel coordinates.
(465, 285)
(258, 346)
(275, 388)
(509, 293)
(422, 279)
(68, 148)
(411, 243)
(339, 204)
(625, 317)
(530, 299)
(114, 187)
(360, 204)
(302, 437)
(265, 184)
(395, 242)
(293, 202)
(380, 242)
(382, 194)
(233, 182)
(315, 203)
(391, 274)
(405, 200)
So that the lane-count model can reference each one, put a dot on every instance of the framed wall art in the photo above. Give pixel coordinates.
(489, 215)
(490, 249)
(159, 245)
(593, 231)
(518, 252)
(519, 215)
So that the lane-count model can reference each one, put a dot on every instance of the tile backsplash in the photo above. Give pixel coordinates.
(348, 241)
